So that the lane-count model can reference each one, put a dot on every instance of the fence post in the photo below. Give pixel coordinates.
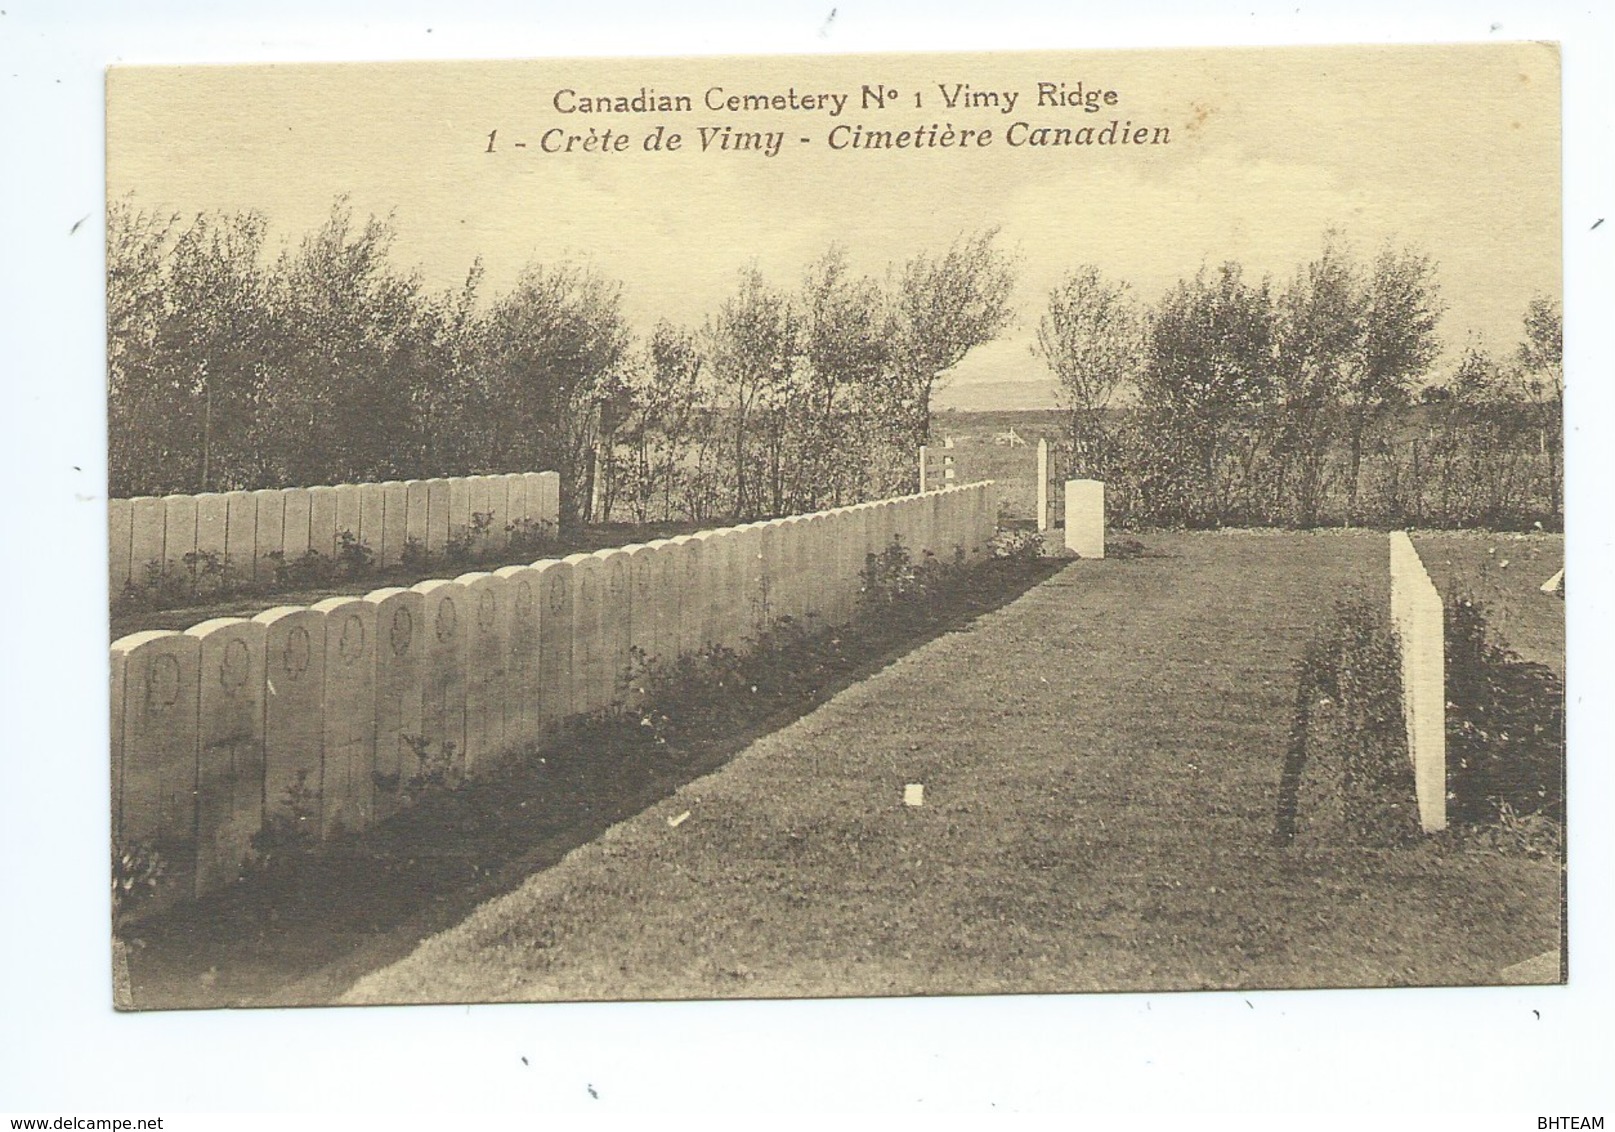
(1042, 484)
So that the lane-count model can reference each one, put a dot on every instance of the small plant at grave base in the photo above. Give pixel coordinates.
(527, 535)
(436, 772)
(208, 573)
(137, 871)
(413, 556)
(311, 568)
(893, 580)
(290, 833)
(353, 558)
(1017, 546)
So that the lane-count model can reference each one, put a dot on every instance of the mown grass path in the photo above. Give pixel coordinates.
(1101, 759)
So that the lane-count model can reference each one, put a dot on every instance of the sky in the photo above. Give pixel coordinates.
(1453, 150)
(1406, 1055)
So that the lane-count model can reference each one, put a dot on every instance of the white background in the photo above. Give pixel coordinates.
(63, 1050)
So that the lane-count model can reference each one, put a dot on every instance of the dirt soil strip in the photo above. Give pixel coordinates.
(1101, 761)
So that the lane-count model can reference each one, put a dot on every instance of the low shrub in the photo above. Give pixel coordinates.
(1505, 733)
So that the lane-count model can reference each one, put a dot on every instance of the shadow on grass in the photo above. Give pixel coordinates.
(301, 933)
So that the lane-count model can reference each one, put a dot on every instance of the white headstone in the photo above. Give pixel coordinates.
(349, 514)
(372, 530)
(523, 656)
(555, 642)
(212, 524)
(155, 688)
(294, 714)
(445, 619)
(230, 745)
(417, 503)
(1085, 517)
(591, 684)
(269, 532)
(146, 534)
(389, 547)
(179, 529)
(348, 781)
(295, 530)
(322, 520)
(438, 516)
(241, 535)
(486, 656)
(616, 618)
(120, 544)
(400, 674)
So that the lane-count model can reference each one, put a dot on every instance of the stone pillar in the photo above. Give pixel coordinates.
(1085, 517)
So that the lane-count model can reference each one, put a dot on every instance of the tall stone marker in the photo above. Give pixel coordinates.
(1417, 613)
(1085, 517)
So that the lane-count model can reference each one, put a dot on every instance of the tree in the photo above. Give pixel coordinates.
(942, 308)
(753, 344)
(1399, 343)
(844, 355)
(1208, 371)
(1091, 337)
(1321, 320)
(552, 347)
(1541, 359)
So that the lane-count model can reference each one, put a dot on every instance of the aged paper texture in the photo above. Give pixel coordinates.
(849, 525)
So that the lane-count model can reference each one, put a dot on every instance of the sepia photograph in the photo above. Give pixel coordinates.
(841, 525)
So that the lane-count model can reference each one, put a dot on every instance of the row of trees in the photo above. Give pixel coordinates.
(1227, 400)
(233, 368)
(1233, 401)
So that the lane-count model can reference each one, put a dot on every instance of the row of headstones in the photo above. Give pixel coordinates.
(244, 528)
(213, 728)
(1419, 619)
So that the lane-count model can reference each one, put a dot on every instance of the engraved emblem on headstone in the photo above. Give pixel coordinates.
(402, 631)
(350, 647)
(447, 618)
(235, 666)
(295, 656)
(162, 682)
(485, 610)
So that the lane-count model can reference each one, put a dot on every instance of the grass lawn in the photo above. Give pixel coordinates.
(1504, 572)
(1101, 761)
